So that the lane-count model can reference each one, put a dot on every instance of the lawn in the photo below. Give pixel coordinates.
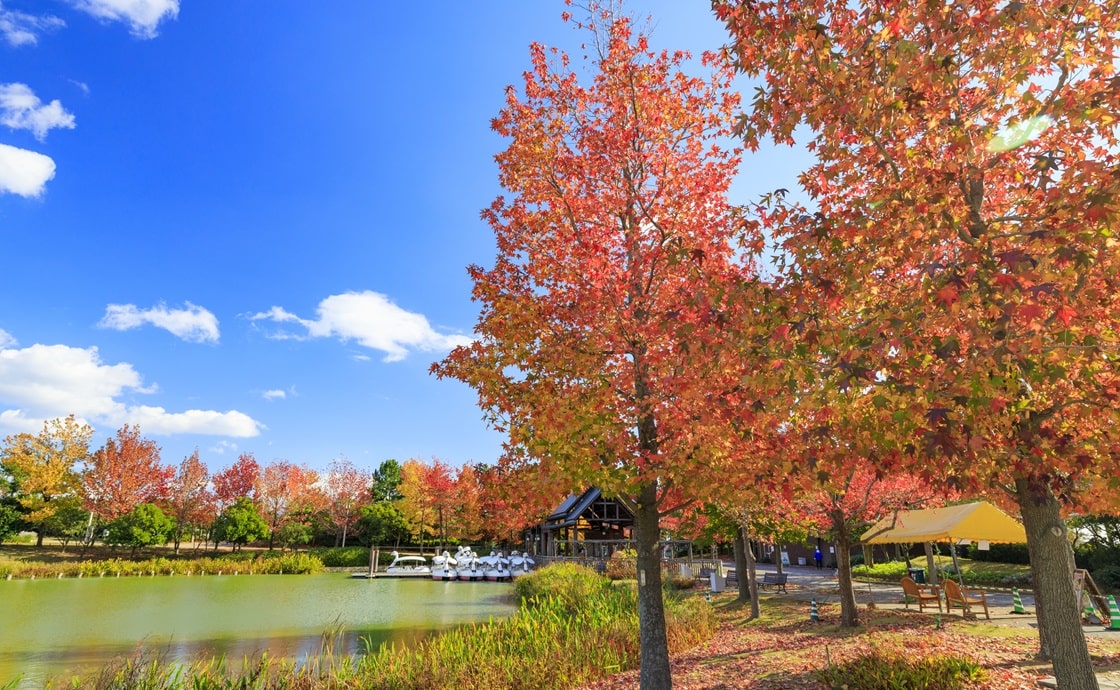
(784, 650)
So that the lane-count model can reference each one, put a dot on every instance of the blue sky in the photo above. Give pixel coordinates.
(245, 226)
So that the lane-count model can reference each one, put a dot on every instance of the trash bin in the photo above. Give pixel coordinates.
(800, 560)
(918, 575)
(718, 583)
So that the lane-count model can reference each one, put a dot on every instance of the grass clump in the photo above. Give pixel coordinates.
(879, 671)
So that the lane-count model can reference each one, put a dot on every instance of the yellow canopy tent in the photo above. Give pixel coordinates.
(979, 521)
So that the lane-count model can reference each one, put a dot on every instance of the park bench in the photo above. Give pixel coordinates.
(775, 580)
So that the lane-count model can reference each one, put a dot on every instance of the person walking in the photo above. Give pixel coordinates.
(819, 558)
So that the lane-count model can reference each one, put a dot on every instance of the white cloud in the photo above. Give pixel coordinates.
(6, 340)
(275, 394)
(20, 108)
(24, 172)
(21, 29)
(143, 16)
(192, 323)
(156, 420)
(372, 320)
(43, 382)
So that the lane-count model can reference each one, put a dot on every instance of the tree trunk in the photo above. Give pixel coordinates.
(931, 564)
(741, 566)
(752, 571)
(1059, 617)
(849, 614)
(778, 559)
(654, 664)
(39, 536)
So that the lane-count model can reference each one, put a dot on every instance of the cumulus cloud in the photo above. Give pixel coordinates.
(43, 382)
(156, 420)
(369, 318)
(6, 340)
(24, 172)
(142, 16)
(191, 323)
(20, 108)
(21, 29)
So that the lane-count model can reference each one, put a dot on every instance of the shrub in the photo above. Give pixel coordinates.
(340, 557)
(567, 583)
(1107, 576)
(623, 565)
(1002, 553)
(889, 570)
(876, 671)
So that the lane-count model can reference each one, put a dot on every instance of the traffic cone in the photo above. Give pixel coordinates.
(814, 617)
(1113, 614)
(1016, 602)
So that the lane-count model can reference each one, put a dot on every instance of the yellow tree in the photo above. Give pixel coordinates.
(416, 503)
(43, 468)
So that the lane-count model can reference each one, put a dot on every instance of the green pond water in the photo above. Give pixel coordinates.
(53, 629)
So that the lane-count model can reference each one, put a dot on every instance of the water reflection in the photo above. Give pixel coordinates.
(58, 628)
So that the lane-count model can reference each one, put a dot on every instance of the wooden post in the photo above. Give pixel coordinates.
(372, 560)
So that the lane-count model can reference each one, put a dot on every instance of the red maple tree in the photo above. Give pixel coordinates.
(614, 252)
(955, 281)
(124, 473)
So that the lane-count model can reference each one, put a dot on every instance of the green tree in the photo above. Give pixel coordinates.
(145, 525)
(69, 522)
(11, 519)
(240, 524)
(382, 523)
(387, 481)
(294, 535)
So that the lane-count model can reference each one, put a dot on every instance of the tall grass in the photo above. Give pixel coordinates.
(298, 563)
(573, 627)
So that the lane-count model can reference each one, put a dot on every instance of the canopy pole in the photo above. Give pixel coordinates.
(956, 563)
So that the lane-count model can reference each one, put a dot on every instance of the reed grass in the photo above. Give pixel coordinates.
(296, 563)
(573, 627)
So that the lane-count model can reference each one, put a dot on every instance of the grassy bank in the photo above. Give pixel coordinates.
(250, 563)
(573, 627)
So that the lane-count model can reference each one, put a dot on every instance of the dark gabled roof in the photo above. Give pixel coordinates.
(572, 507)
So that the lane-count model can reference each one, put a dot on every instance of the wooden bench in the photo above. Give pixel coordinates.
(775, 580)
(732, 578)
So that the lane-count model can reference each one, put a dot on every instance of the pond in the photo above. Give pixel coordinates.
(57, 628)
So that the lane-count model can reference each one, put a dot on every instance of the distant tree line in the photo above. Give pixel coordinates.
(121, 494)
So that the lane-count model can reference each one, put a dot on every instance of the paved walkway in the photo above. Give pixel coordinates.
(806, 582)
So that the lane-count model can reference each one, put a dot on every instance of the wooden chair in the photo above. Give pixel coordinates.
(926, 596)
(955, 595)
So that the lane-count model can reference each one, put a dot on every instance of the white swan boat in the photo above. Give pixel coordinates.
(443, 567)
(520, 564)
(408, 566)
(469, 568)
